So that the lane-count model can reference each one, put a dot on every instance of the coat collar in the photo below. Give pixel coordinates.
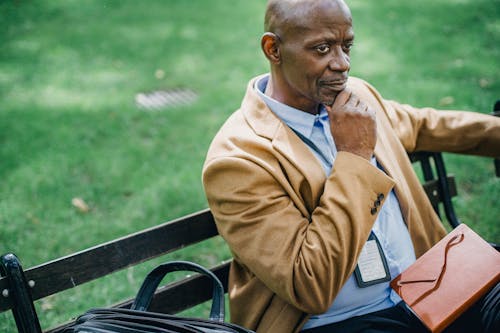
(260, 118)
(266, 124)
(288, 148)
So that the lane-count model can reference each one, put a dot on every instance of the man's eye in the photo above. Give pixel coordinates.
(348, 47)
(323, 49)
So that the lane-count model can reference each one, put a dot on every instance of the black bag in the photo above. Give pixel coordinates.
(138, 320)
(115, 320)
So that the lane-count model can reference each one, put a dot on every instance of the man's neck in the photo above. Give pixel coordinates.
(303, 104)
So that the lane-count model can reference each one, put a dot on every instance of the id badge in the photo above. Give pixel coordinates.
(372, 266)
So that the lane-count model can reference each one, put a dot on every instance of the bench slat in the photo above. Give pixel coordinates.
(431, 188)
(73, 270)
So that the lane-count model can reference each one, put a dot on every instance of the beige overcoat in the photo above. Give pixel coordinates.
(295, 234)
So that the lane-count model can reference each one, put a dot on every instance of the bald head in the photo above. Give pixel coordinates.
(282, 15)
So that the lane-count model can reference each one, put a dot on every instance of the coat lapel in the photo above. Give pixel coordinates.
(304, 171)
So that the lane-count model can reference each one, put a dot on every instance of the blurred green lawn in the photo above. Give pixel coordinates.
(69, 126)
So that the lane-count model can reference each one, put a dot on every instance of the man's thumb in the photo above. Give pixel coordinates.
(341, 98)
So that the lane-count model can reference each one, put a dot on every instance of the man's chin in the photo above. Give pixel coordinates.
(329, 99)
(329, 93)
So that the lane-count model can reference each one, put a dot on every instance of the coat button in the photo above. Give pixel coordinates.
(373, 211)
(376, 203)
(381, 197)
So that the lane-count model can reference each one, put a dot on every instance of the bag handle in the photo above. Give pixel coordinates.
(20, 295)
(153, 279)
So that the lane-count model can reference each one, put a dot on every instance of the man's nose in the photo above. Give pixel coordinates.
(340, 61)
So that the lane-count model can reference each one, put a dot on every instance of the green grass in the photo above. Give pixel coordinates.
(69, 127)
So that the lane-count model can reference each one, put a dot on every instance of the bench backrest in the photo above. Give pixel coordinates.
(84, 266)
(438, 185)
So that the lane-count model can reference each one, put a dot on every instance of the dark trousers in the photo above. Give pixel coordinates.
(484, 316)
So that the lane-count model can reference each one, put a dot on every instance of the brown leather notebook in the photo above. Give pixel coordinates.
(449, 278)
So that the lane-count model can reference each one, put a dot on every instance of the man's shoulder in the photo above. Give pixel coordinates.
(357, 83)
(363, 89)
(233, 126)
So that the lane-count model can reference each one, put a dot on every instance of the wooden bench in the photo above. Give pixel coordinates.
(96, 262)
(75, 269)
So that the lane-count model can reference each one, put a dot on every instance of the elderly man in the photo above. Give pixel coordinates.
(312, 167)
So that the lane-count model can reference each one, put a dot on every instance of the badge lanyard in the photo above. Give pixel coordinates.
(314, 147)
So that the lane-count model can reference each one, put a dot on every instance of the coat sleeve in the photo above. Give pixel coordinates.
(449, 131)
(430, 129)
(304, 260)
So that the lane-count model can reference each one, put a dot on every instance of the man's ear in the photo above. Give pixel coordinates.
(270, 43)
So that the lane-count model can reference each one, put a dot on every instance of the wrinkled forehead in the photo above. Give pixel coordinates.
(286, 17)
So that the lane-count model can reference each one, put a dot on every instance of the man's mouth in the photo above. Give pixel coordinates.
(336, 85)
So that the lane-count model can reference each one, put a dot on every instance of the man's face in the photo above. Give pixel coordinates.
(315, 58)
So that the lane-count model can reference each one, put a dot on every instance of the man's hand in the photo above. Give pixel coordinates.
(353, 125)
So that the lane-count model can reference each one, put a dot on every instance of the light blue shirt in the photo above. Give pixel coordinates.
(389, 227)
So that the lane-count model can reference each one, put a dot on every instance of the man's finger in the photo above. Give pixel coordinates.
(341, 98)
(353, 101)
(362, 106)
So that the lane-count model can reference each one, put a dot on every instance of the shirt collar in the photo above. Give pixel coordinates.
(299, 120)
